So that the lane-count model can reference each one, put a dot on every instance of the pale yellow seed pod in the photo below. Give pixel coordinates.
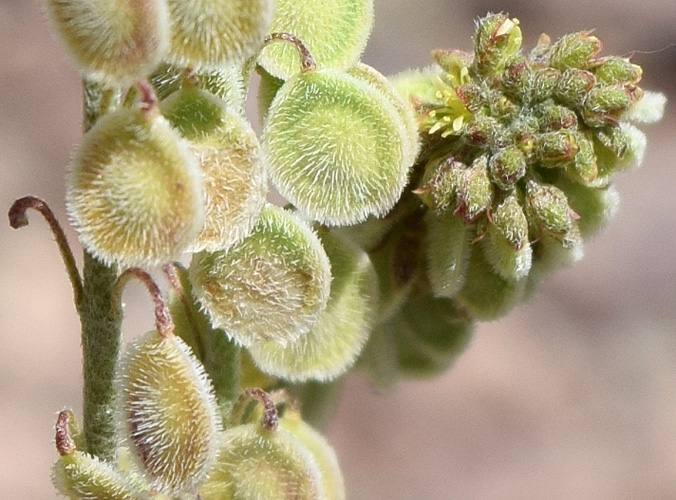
(210, 33)
(79, 476)
(325, 457)
(335, 32)
(336, 147)
(167, 413)
(134, 190)
(113, 41)
(232, 164)
(333, 343)
(259, 464)
(274, 284)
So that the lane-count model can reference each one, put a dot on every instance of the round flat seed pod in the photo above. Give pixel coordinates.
(335, 32)
(448, 248)
(257, 464)
(430, 333)
(224, 82)
(273, 284)
(325, 457)
(167, 412)
(210, 33)
(232, 164)
(335, 147)
(113, 41)
(335, 340)
(79, 476)
(370, 75)
(134, 190)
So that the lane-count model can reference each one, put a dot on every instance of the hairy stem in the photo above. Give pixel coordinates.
(100, 318)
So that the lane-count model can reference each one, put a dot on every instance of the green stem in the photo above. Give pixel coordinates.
(100, 317)
(101, 320)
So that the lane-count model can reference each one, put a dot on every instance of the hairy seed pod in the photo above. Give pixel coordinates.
(79, 476)
(259, 464)
(335, 340)
(113, 41)
(232, 164)
(551, 253)
(429, 333)
(134, 190)
(167, 412)
(648, 109)
(417, 84)
(224, 82)
(487, 295)
(595, 206)
(211, 33)
(335, 32)
(336, 147)
(448, 248)
(506, 245)
(322, 452)
(273, 284)
(370, 75)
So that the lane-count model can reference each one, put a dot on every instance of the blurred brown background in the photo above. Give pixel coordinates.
(571, 396)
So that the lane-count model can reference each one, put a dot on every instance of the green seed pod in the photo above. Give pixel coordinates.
(417, 84)
(548, 209)
(336, 147)
(232, 164)
(368, 234)
(211, 33)
(117, 42)
(267, 90)
(576, 50)
(225, 82)
(497, 38)
(507, 166)
(368, 74)
(429, 333)
(79, 476)
(259, 464)
(336, 339)
(506, 245)
(273, 284)
(335, 33)
(476, 192)
(616, 70)
(134, 190)
(487, 295)
(448, 247)
(594, 206)
(322, 452)
(167, 412)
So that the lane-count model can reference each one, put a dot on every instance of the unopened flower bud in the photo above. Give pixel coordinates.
(441, 183)
(572, 87)
(575, 50)
(507, 166)
(548, 207)
(506, 245)
(481, 129)
(554, 117)
(614, 70)
(584, 166)
(452, 61)
(497, 38)
(476, 192)
(603, 105)
(553, 149)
